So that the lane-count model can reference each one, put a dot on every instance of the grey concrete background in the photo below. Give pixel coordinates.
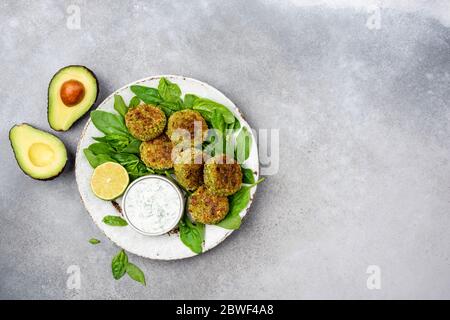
(363, 115)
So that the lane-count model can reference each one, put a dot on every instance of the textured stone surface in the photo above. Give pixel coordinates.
(363, 114)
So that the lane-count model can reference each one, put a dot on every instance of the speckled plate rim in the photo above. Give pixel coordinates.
(236, 112)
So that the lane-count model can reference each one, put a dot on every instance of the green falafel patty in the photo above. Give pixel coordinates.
(189, 168)
(206, 207)
(187, 124)
(222, 175)
(157, 153)
(145, 121)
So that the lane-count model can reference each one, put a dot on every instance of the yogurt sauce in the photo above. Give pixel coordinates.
(153, 205)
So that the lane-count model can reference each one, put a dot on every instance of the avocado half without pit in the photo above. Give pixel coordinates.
(72, 91)
(39, 154)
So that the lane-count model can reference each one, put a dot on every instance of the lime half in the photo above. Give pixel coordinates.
(109, 180)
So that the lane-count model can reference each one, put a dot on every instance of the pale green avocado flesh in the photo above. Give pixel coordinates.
(62, 115)
(39, 154)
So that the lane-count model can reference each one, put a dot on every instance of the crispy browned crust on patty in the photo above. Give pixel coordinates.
(157, 153)
(188, 168)
(145, 122)
(185, 120)
(206, 207)
(222, 175)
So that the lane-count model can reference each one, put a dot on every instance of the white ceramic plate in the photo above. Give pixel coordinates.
(167, 246)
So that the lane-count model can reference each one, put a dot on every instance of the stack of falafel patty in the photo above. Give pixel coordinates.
(211, 179)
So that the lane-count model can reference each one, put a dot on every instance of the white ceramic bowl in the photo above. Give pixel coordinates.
(172, 224)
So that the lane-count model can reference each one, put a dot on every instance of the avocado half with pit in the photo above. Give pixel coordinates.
(39, 154)
(72, 91)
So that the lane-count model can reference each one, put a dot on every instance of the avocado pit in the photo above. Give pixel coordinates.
(72, 92)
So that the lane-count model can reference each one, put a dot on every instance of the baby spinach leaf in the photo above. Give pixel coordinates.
(247, 175)
(126, 158)
(169, 91)
(231, 222)
(135, 273)
(91, 157)
(206, 107)
(94, 241)
(101, 148)
(243, 145)
(147, 94)
(114, 221)
(96, 160)
(189, 100)
(138, 170)
(119, 265)
(119, 105)
(117, 142)
(133, 147)
(109, 123)
(237, 124)
(135, 101)
(167, 111)
(192, 235)
(134, 166)
(217, 121)
(238, 202)
(173, 106)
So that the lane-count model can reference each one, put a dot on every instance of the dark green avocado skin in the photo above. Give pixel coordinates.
(15, 157)
(48, 91)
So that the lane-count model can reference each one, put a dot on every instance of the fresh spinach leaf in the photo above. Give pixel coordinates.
(119, 105)
(237, 124)
(247, 175)
(173, 106)
(117, 150)
(133, 147)
(167, 111)
(169, 91)
(109, 123)
(101, 148)
(192, 235)
(94, 241)
(218, 121)
(117, 142)
(114, 221)
(189, 100)
(238, 202)
(231, 222)
(96, 160)
(135, 101)
(134, 166)
(126, 158)
(147, 94)
(243, 145)
(207, 107)
(119, 265)
(135, 273)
